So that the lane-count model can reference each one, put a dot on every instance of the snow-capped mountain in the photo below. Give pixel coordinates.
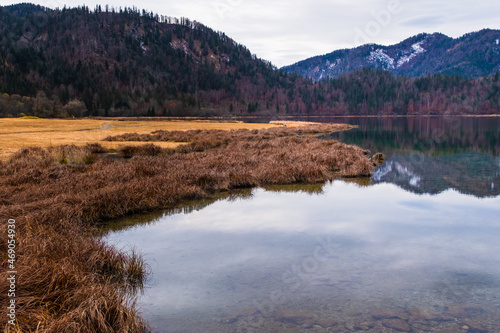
(472, 55)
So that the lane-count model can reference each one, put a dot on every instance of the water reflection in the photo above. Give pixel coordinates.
(414, 249)
(472, 173)
(432, 155)
(185, 208)
(378, 258)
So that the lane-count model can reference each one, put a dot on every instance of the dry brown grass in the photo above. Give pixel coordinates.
(18, 133)
(69, 280)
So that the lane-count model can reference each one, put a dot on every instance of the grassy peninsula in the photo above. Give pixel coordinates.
(70, 280)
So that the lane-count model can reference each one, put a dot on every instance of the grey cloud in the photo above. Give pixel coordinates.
(423, 21)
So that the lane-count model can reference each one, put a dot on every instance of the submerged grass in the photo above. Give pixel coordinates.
(71, 281)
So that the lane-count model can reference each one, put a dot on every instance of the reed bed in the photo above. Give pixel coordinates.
(68, 279)
(16, 133)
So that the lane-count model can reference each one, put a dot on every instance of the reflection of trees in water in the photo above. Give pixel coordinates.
(472, 173)
(424, 155)
(432, 135)
(431, 155)
(296, 188)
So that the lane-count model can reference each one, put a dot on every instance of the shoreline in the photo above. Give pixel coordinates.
(234, 118)
(59, 195)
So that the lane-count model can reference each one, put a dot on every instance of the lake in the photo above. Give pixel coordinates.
(413, 249)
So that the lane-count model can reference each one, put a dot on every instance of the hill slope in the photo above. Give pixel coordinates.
(78, 62)
(474, 55)
(117, 62)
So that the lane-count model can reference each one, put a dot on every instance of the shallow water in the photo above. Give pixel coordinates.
(415, 249)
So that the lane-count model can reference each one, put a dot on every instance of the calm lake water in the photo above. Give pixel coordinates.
(414, 249)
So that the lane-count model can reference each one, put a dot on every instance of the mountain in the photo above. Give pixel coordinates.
(474, 55)
(107, 62)
(129, 62)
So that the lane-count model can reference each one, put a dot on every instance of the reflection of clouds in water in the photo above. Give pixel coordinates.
(233, 252)
(343, 206)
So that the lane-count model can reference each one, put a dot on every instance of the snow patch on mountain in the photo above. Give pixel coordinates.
(333, 64)
(417, 47)
(379, 56)
(416, 50)
(322, 75)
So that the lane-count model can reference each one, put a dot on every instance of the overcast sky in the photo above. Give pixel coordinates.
(286, 31)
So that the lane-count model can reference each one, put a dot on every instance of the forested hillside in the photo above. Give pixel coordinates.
(127, 63)
(108, 62)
